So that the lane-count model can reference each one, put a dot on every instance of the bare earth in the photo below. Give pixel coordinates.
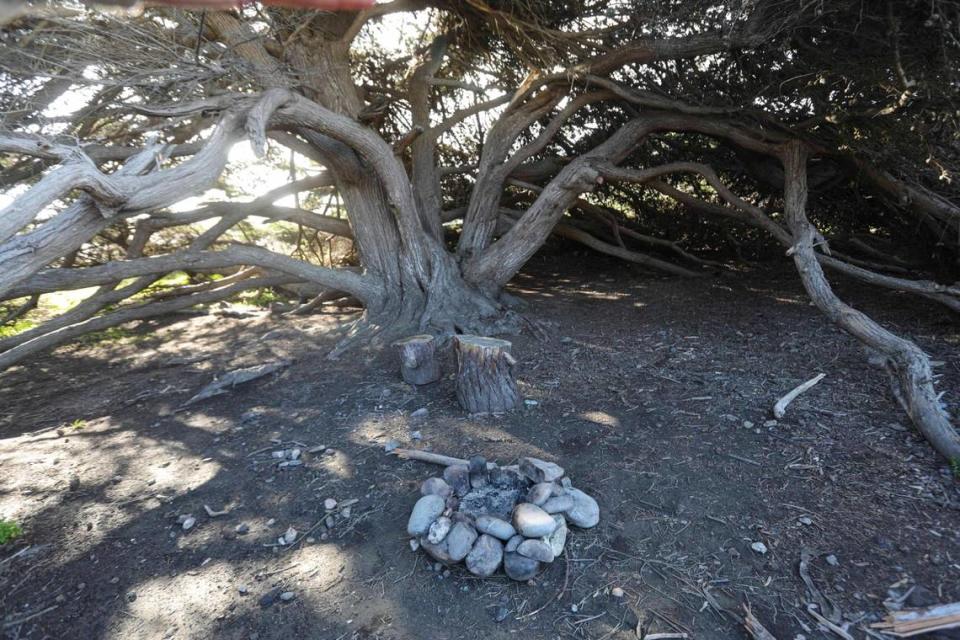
(646, 391)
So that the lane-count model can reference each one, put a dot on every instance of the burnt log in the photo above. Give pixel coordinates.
(485, 382)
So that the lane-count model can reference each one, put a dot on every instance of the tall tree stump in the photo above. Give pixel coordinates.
(418, 359)
(485, 381)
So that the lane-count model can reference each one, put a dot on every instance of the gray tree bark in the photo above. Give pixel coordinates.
(485, 382)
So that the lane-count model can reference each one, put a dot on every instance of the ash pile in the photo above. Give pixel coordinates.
(516, 517)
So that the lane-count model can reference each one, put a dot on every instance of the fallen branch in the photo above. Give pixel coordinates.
(780, 408)
(433, 458)
(912, 622)
(753, 626)
(233, 378)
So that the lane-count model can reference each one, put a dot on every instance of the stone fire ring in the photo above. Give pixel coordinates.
(488, 517)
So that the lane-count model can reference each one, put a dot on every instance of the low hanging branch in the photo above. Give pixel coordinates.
(909, 364)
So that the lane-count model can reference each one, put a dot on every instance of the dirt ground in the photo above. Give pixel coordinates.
(654, 394)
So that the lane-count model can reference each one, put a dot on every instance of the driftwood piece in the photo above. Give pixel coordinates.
(780, 408)
(912, 622)
(754, 627)
(418, 359)
(485, 381)
(232, 378)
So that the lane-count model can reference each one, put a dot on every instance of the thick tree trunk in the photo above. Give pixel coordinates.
(485, 382)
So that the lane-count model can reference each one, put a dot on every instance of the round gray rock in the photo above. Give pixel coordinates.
(513, 543)
(536, 549)
(478, 472)
(485, 557)
(458, 477)
(585, 512)
(427, 509)
(495, 527)
(520, 568)
(558, 504)
(532, 521)
(436, 487)
(540, 493)
(540, 470)
(460, 540)
(440, 552)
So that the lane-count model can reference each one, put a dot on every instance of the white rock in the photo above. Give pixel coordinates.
(289, 536)
(617, 592)
(439, 530)
(329, 504)
(188, 523)
(759, 547)
(532, 521)
(558, 539)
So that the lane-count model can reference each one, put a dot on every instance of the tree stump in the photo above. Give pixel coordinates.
(485, 381)
(418, 360)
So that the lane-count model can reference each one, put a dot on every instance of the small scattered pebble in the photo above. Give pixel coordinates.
(391, 445)
(832, 560)
(188, 523)
(416, 435)
(287, 596)
(759, 547)
(805, 520)
(329, 504)
(617, 592)
(242, 528)
(419, 413)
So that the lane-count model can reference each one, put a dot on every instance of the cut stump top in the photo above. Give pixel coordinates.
(483, 342)
(425, 337)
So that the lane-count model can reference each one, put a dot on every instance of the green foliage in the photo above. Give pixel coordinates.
(78, 424)
(18, 326)
(260, 297)
(955, 467)
(112, 334)
(9, 531)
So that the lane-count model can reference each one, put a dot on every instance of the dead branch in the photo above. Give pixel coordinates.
(780, 407)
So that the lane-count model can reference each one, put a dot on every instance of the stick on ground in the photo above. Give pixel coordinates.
(780, 408)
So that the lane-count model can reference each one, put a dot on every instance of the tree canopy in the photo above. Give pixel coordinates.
(447, 141)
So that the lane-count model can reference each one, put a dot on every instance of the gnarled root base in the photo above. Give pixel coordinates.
(461, 310)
